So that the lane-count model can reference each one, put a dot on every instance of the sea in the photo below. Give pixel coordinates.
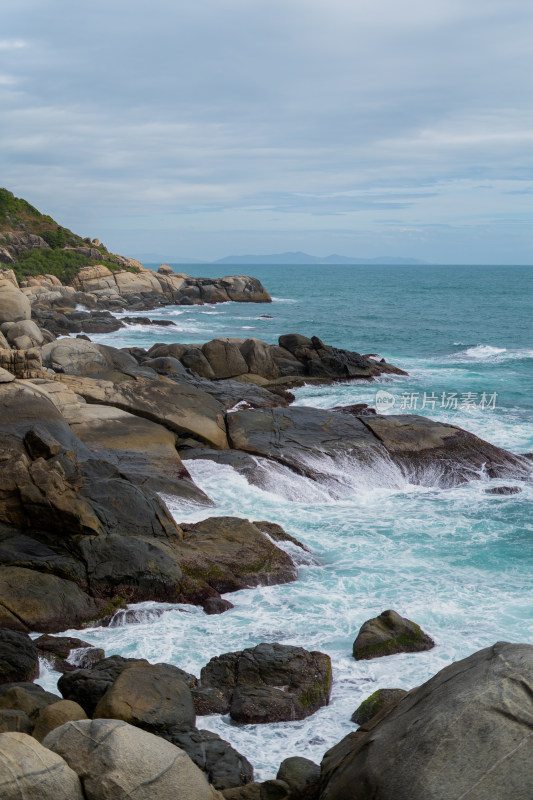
(457, 561)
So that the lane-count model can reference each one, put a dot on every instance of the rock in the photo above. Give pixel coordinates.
(88, 686)
(23, 363)
(389, 634)
(28, 328)
(464, 733)
(41, 444)
(74, 357)
(505, 490)
(143, 451)
(116, 761)
(154, 697)
(230, 554)
(302, 776)
(258, 357)
(223, 766)
(19, 660)
(5, 376)
(179, 408)
(31, 600)
(57, 649)
(51, 717)
(27, 697)
(251, 791)
(13, 720)
(164, 269)
(377, 702)
(266, 683)
(229, 393)
(14, 305)
(194, 360)
(225, 358)
(29, 770)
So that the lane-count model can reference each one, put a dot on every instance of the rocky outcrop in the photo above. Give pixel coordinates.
(316, 442)
(266, 683)
(464, 733)
(115, 760)
(145, 288)
(58, 649)
(389, 634)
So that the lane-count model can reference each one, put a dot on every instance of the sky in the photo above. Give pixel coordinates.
(204, 128)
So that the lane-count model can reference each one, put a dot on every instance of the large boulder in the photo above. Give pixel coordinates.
(154, 697)
(29, 698)
(225, 358)
(389, 634)
(266, 683)
(29, 770)
(87, 686)
(19, 660)
(116, 761)
(52, 716)
(467, 732)
(258, 357)
(14, 305)
(302, 776)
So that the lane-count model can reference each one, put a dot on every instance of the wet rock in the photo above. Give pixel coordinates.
(19, 660)
(389, 634)
(154, 697)
(57, 649)
(230, 553)
(504, 490)
(464, 733)
(27, 769)
(223, 766)
(88, 686)
(267, 683)
(382, 699)
(115, 760)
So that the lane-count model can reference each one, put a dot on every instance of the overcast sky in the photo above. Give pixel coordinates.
(203, 128)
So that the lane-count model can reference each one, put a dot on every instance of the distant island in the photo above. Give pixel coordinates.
(305, 258)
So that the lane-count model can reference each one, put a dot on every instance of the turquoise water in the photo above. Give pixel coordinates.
(458, 561)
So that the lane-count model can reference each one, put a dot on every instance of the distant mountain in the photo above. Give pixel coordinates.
(305, 258)
(157, 258)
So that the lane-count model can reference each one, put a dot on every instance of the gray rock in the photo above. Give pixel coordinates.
(467, 732)
(223, 766)
(27, 697)
(117, 761)
(29, 770)
(389, 634)
(15, 721)
(225, 358)
(88, 686)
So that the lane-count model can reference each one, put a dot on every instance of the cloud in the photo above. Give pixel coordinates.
(269, 116)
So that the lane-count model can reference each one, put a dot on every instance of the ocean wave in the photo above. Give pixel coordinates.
(487, 352)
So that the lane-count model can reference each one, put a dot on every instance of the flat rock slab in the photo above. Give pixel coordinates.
(180, 408)
(465, 733)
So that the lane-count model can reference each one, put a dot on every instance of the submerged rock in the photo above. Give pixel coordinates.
(464, 733)
(389, 634)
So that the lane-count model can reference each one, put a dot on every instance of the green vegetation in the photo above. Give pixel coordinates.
(18, 217)
(64, 264)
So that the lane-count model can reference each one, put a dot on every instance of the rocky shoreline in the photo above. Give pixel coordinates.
(91, 436)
